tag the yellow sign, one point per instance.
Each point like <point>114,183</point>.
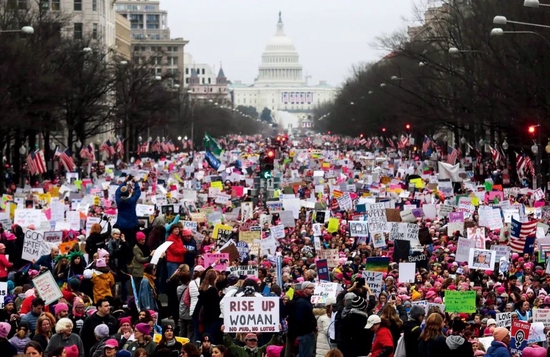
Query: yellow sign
<point>249,236</point>
<point>333,224</point>
<point>217,184</point>
<point>220,229</point>
<point>418,183</point>
<point>97,201</point>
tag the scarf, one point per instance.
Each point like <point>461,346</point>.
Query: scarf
<point>151,280</point>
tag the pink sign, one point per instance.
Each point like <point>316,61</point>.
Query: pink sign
<point>219,261</point>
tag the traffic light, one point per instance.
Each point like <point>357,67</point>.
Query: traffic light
<point>266,164</point>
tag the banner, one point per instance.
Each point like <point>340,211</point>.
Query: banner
<point>251,314</point>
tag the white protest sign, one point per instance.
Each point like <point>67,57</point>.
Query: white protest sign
<point>332,257</point>
<point>463,249</point>
<point>542,315</point>
<point>246,270</point>
<point>158,252</point>
<point>53,237</point>
<point>323,291</point>
<point>27,217</point>
<point>222,198</point>
<point>501,251</point>
<point>407,272</point>
<point>278,232</point>
<point>46,287</point>
<point>376,217</point>
<point>145,210</point>
<point>34,246</point>
<point>73,218</point>
<point>90,221</point>
<point>374,280</point>
<point>3,293</point>
<point>192,225</point>
<point>503,319</point>
<point>251,314</point>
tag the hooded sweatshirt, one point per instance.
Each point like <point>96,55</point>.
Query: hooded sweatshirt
<point>459,347</point>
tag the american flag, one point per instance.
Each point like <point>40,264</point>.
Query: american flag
<point>404,140</point>
<point>377,142</point>
<point>452,155</point>
<point>143,148</point>
<point>171,146</point>
<point>524,165</point>
<point>65,157</point>
<point>107,147</point>
<point>164,146</point>
<point>426,144</point>
<point>368,144</point>
<point>476,151</point>
<point>495,155</point>
<point>36,163</point>
<point>519,232</point>
<point>391,143</point>
<point>88,152</point>
<point>119,146</point>
<point>155,146</point>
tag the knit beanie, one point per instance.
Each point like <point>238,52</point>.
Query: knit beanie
<point>71,351</point>
<point>5,329</point>
<point>101,331</point>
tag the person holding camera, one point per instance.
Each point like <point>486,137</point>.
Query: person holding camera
<point>126,197</point>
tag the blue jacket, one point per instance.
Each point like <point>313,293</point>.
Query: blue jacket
<point>46,261</point>
<point>498,349</point>
<point>169,225</point>
<point>127,217</point>
<point>146,296</point>
<point>191,253</point>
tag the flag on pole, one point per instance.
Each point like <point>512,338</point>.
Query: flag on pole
<point>495,155</point>
<point>107,147</point>
<point>519,233</point>
<point>65,157</point>
<point>404,141</point>
<point>210,144</point>
<point>452,155</point>
<point>31,164</point>
<point>88,152</point>
<point>524,165</point>
<point>171,146</point>
<point>119,146</point>
<point>143,148</point>
<point>426,145</point>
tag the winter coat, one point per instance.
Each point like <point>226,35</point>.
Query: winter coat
<point>354,339</point>
<point>210,300</point>
<point>301,320</point>
<point>194,294</point>
<point>411,334</point>
<point>183,310</point>
<point>322,346</point>
<point>87,332</point>
<point>7,348</point>
<point>176,250</point>
<point>127,218</point>
<point>58,340</point>
<point>434,347</point>
<point>498,349</point>
<point>20,343</point>
<point>120,253</point>
<point>96,241</point>
<point>459,347</point>
<point>238,351</point>
<point>382,346</point>
<point>5,265</point>
<point>150,347</point>
<point>146,296</point>
<point>138,262</point>
<point>103,282</point>
<point>191,252</point>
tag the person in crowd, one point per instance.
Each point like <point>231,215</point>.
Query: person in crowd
<point>71,351</point>
<point>142,255</point>
<point>72,289</point>
<point>352,330</point>
<point>77,265</point>
<point>382,346</point>
<point>64,337</point>
<point>250,349</point>
<point>412,329</point>
<point>120,253</point>
<point>37,310</point>
<point>391,319</point>
<point>524,311</point>
<point>194,290</point>
<point>457,344</point>
<point>21,337</point>
<point>500,344</point>
<point>77,315</point>
<point>110,348</point>
<point>432,342</point>
<point>302,324</point>
<point>126,197</point>
<point>43,331</point>
<point>323,322</point>
<point>61,310</point>
<point>209,298</point>
<point>124,332</point>
<point>184,305</point>
<point>5,264</point>
<point>102,278</point>
<point>147,290</point>
<point>101,316</point>
<point>101,333</point>
<point>190,350</point>
<point>33,349</point>
<point>206,346</point>
<point>190,245</point>
<point>97,240</point>
<point>176,251</point>
<point>168,341</point>
<point>220,351</point>
<point>142,340</point>
<point>47,261</point>
<point>9,314</point>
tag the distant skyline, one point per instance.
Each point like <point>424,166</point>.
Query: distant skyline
<point>330,36</point>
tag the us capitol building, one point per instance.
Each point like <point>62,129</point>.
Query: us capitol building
<point>280,85</point>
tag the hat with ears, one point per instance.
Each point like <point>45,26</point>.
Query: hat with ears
<point>100,263</point>
<point>5,329</point>
<point>102,253</point>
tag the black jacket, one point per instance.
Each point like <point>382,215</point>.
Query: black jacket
<point>301,320</point>
<point>411,333</point>
<point>459,347</point>
<point>91,322</point>
<point>354,339</point>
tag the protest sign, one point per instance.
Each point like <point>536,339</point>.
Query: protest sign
<point>501,251</point>
<point>376,217</point>
<point>460,301</point>
<point>481,259</point>
<point>27,217</point>
<point>378,264</point>
<point>358,229</point>
<point>249,236</point>
<point>542,315</point>
<point>158,252</point>
<point>503,319</point>
<point>192,225</point>
<point>246,270</point>
<point>34,246</point>
<point>222,231</point>
<point>322,269</point>
<point>243,249</point>
<point>332,257</point>
<point>251,314</point>
<point>278,232</point>
<point>46,287</point>
<point>3,293</point>
<point>54,237</point>
<point>217,260</point>
<point>520,336</point>
<point>463,249</point>
<point>323,291</point>
<point>374,280</point>
<point>90,221</point>
<point>145,210</point>
<point>407,272</point>
<point>536,333</point>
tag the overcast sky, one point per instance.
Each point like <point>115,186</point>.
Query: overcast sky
<point>330,35</point>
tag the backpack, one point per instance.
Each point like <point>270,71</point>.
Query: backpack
<point>187,297</point>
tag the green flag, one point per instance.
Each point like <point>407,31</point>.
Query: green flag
<point>488,186</point>
<point>210,144</point>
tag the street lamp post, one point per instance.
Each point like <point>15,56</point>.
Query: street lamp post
<point>28,30</point>
<point>501,32</point>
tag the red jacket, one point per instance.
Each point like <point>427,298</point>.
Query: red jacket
<point>176,250</point>
<point>4,266</point>
<point>382,340</point>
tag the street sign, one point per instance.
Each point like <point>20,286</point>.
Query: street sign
<point>270,183</point>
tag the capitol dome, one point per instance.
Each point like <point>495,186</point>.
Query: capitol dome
<point>280,61</point>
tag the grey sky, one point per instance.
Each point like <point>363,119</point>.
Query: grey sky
<point>330,35</point>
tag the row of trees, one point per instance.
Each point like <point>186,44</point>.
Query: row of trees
<point>453,75</point>
<point>60,90</point>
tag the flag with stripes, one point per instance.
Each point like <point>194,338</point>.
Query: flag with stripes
<point>155,146</point>
<point>452,155</point>
<point>519,233</point>
<point>404,141</point>
<point>36,163</point>
<point>143,148</point>
<point>495,155</point>
<point>171,146</point>
<point>426,145</point>
<point>88,152</point>
<point>107,147</point>
<point>31,164</point>
<point>524,165</point>
<point>65,157</point>
<point>119,146</point>
<point>376,142</point>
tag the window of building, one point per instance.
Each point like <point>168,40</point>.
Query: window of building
<point>94,5</point>
<point>158,71</point>
<point>172,61</point>
<point>77,5</point>
<point>154,36</point>
<point>94,31</point>
<point>203,71</point>
<point>78,30</point>
<point>209,81</point>
<point>187,71</point>
<point>202,80</point>
<point>56,5</point>
<point>210,89</point>
<point>150,7</point>
<point>187,80</point>
<point>45,5</point>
